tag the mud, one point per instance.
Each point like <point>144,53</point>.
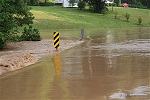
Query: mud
<point>21,54</point>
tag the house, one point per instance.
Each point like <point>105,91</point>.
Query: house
<point>66,3</point>
<point>109,1</point>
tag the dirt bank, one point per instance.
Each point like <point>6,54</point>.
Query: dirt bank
<point>21,54</point>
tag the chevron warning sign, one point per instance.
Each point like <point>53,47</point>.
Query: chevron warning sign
<point>56,40</point>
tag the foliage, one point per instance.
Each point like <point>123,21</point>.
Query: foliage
<point>116,13</point>
<point>96,5</point>
<point>72,2</point>
<point>30,34</point>
<point>13,14</point>
<point>134,3</point>
<point>45,4</point>
<point>118,2</point>
<point>139,21</point>
<point>35,2</point>
<point>81,4</point>
<point>2,40</point>
<point>15,38</point>
<point>127,15</point>
<point>104,11</point>
<point>137,5</point>
<point>56,18</point>
<point>39,2</point>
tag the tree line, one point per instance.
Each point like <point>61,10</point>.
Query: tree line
<point>135,3</point>
<point>35,2</point>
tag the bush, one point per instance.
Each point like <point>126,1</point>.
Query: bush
<point>46,4</point>
<point>127,15</point>
<point>138,5</point>
<point>30,34</point>
<point>3,39</point>
<point>81,4</point>
<point>104,10</point>
<point>139,20</point>
<point>13,14</point>
<point>15,38</point>
<point>116,13</point>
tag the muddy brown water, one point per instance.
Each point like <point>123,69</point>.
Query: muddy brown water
<point>113,65</point>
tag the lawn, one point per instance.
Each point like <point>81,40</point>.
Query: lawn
<point>54,18</point>
<point>57,17</point>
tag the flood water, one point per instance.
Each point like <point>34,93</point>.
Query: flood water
<point>109,65</point>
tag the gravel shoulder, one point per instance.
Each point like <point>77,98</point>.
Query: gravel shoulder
<point>21,54</point>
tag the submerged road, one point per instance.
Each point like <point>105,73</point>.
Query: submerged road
<point>110,66</point>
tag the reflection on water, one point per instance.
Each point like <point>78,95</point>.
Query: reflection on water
<point>57,63</point>
<point>113,65</point>
<point>140,92</point>
<point>31,83</point>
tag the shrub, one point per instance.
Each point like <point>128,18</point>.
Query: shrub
<point>72,2</point>
<point>104,11</point>
<point>3,39</point>
<point>139,20</point>
<point>97,6</point>
<point>30,34</point>
<point>127,15</point>
<point>116,13</point>
<point>46,4</point>
<point>15,38</point>
<point>81,4</point>
<point>13,14</point>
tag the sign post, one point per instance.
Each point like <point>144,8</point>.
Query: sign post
<point>56,40</point>
<point>82,34</point>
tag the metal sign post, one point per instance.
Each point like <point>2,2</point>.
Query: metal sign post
<point>82,34</point>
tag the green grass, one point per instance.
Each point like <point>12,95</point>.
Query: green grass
<point>56,17</point>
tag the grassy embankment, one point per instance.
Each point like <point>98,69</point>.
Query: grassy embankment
<point>52,18</point>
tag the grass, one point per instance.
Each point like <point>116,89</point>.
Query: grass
<point>56,17</point>
<point>52,18</point>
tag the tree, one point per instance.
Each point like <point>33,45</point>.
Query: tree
<point>45,1</point>
<point>118,2</point>
<point>145,3</point>
<point>72,2</point>
<point>96,5</point>
<point>13,14</point>
<point>81,4</point>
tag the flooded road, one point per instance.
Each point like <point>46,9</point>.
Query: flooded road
<point>109,65</point>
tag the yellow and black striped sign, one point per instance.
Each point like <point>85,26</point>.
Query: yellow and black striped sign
<point>56,40</point>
